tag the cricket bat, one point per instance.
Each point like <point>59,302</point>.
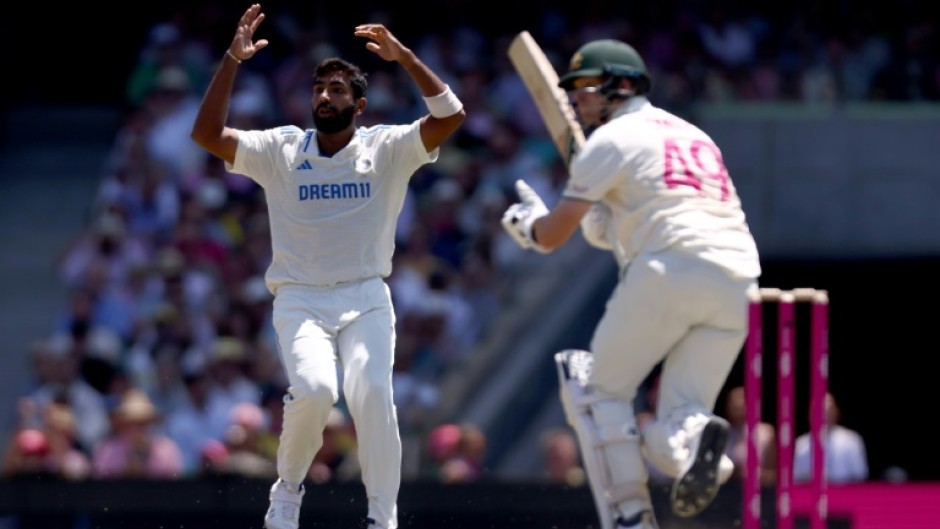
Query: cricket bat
<point>541,80</point>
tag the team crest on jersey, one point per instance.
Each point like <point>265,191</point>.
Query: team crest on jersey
<point>363,166</point>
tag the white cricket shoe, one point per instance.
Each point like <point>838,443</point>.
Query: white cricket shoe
<point>725,469</point>
<point>698,482</point>
<point>642,520</point>
<point>284,512</point>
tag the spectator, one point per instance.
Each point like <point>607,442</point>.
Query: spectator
<point>165,47</point>
<point>228,363</point>
<point>846,458</point>
<point>66,457</point>
<point>62,383</point>
<point>45,445</point>
<point>442,445</point>
<point>27,454</point>
<point>243,444</point>
<point>561,458</point>
<point>337,459</point>
<point>471,456</point>
<point>197,421</point>
<point>135,449</point>
<point>106,243</point>
<point>173,102</point>
<point>737,440</point>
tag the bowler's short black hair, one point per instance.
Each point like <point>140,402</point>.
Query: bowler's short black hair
<point>334,64</point>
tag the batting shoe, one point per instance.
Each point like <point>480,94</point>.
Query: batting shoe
<point>284,512</point>
<point>698,483</point>
<point>725,469</point>
<point>642,520</point>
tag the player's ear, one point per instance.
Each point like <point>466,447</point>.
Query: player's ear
<point>361,105</point>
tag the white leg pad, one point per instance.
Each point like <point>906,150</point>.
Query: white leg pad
<point>608,439</point>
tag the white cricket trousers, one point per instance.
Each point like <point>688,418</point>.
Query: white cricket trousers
<point>679,308</point>
<point>353,323</point>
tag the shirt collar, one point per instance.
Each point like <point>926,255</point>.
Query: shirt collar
<point>350,150</point>
<point>631,105</point>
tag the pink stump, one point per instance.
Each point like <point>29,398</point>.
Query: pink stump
<point>753,383</point>
<point>819,386</point>
<point>785,409</point>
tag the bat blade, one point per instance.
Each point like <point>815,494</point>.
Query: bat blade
<point>541,80</point>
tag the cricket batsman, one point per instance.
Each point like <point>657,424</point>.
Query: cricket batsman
<point>652,189</point>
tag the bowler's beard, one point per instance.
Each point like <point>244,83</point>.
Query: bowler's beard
<point>335,123</point>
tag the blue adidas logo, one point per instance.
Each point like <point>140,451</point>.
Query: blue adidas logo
<point>305,166</point>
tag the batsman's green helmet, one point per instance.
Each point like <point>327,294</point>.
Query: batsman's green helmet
<point>607,57</point>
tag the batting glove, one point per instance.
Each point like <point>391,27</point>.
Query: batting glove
<point>519,217</point>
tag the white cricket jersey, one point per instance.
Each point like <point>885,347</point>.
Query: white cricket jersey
<point>332,218</point>
<point>666,186</point>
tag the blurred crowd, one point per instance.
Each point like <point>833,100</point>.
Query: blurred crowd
<point>162,363</point>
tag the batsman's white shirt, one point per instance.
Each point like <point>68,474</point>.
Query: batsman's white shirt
<point>676,220</point>
<point>666,185</point>
<point>332,219</point>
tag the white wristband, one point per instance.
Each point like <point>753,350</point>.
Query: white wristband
<point>444,104</point>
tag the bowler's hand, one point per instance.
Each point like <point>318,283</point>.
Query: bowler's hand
<point>381,41</point>
<point>242,46</point>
